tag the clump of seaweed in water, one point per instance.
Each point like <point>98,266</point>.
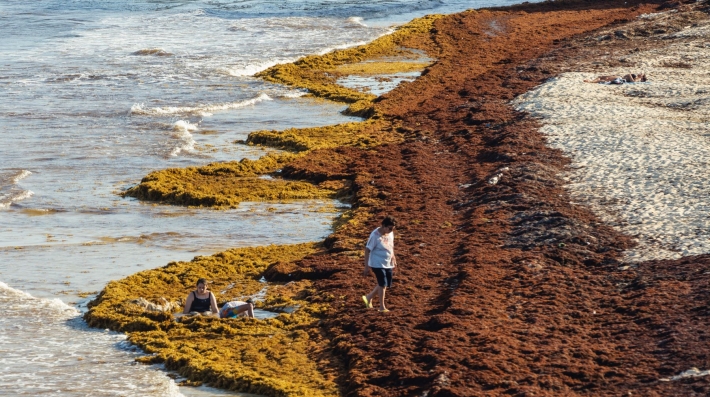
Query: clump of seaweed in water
<point>228,184</point>
<point>270,356</point>
<point>319,73</point>
<point>360,134</point>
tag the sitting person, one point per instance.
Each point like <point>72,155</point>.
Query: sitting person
<point>201,301</point>
<point>629,78</point>
<point>237,308</point>
<point>634,78</point>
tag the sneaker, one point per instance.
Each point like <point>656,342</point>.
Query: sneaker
<point>368,304</point>
<point>384,310</point>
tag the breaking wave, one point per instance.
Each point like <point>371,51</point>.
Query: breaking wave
<point>252,69</point>
<point>182,131</point>
<point>7,199</point>
<point>32,305</point>
<point>204,110</point>
<point>9,192</point>
<point>356,21</point>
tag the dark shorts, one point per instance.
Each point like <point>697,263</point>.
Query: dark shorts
<point>384,276</point>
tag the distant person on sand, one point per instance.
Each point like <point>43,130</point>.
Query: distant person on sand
<point>380,259</point>
<point>629,78</point>
<point>201,301</point>
<point>237,308</point>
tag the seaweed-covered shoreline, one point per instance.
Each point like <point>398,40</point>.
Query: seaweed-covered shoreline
<point>505,286</point>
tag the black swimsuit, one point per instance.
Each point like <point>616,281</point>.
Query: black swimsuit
<point>200,305</point>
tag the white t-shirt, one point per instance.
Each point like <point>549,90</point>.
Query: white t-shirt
<point>381,248</point>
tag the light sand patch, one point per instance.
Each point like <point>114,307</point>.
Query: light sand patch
<point>640,152</point>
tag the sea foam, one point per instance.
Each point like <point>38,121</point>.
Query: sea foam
<point>12,178</point>
<point>204,110</point>
<point>341,47</point>
<point>61,350</point>
<point>352,44</point>
<point>294,94</point>
<point>356,21</point>
<point>21,175</point>
<point>6,200</point>
<point>31,304</point>
<point>252,69</point>
<point>182,130</point>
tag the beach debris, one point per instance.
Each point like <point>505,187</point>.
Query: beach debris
<point>165,307</point>
<point>497,175</point>
<point>442,380</point>
<point>153,51</point>
<point>620,34</point>
<point>691,373</point>
<point>494,179</point>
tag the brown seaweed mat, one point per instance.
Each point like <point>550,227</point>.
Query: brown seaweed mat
<point>504,286</point>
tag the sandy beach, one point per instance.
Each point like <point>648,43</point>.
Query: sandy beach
<point>552,236</point>
<point>639,150</point>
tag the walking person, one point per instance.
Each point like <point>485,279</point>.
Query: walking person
<point>380,259</point>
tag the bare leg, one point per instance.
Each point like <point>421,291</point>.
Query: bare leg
<point>247,309</point>
<point>378,292</point>
<point>601,79</point>
<point>382,297</point>
<point>375,292</point>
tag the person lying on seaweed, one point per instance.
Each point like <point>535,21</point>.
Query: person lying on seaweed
<point>237,308</point>
<point>201,301</point>
<point>629,78</point>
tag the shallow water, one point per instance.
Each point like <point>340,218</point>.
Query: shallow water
<point>379,84</point>
<point>95,95</point>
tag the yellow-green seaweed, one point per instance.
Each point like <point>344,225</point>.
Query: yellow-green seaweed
<point>273,357</point>
<point>318,73</point>
<point>358,134</point>
<point>388,45</point>
<point>228,184</point>
<point>193,189</point>
<point>225,184</point>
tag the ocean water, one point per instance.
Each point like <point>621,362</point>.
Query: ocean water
<point>96,94</point>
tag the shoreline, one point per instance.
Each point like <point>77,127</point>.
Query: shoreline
<point>505,287</point>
